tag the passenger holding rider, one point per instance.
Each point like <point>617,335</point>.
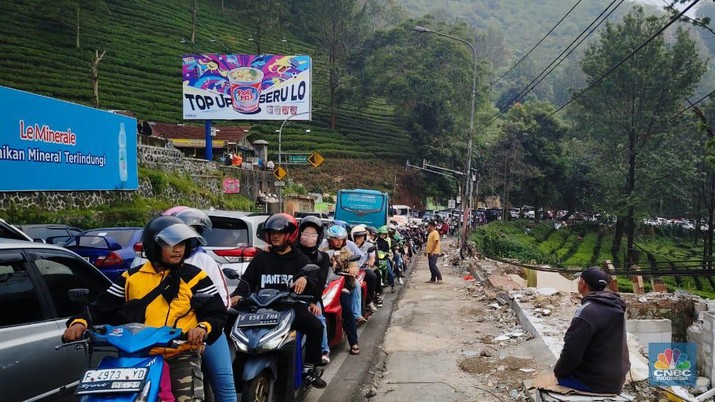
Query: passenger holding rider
<point>280,268</point>
<point>311,235</point>
<point>167,243</point>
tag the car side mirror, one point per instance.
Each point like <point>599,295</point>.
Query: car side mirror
<point>79,296</point>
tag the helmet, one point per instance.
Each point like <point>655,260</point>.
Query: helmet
<point>195,217</point>
<point>359,230</point>
<point>283,223</point>
<point>168,231</point>
<point>173,210</point>
<point>336,232</point>
<point>382,229</point>
<point>372,230</point>
<point>316,223</point>
<point>391,227</point>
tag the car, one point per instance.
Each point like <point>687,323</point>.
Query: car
<point>235,238</point>
<point>41,232</point>
<point>34,282</point>
<point>109,249</point>
<point>514,213</point>
<point>303,214</point>
<point>8,231</point>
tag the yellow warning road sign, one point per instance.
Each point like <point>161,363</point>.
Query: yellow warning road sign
<point>315,159</point>
<point>279,172</point>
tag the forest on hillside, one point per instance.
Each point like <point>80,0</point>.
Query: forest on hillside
<point>620,124</point>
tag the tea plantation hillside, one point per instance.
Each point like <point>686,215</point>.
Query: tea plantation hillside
<point>141,71</point>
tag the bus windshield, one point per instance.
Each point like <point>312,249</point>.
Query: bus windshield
<point>368,207</point>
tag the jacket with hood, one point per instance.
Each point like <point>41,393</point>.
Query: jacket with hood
<point>595,351</point>
<point>271,270</point>
<point>322,260</point>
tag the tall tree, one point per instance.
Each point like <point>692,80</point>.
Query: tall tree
<point>94,64</point>
<point>336,27</point>
<point>194,16</point>
<point>70,13</point>
<point>633,104</point>
<point>261,16</point>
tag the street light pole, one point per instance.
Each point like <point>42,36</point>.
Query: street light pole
<point>467,202</point>
<point>280,155</point>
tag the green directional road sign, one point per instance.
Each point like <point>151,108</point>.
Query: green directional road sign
<point>298,158</point>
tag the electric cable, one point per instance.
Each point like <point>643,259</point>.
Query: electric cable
<point>536,45</point>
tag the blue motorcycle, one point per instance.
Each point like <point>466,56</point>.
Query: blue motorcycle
<point>134,374</point>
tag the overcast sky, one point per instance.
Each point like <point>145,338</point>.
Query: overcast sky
<point>661,3</point>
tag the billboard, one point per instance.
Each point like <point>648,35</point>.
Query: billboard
<point>246,87</point>
<point>53,145</point>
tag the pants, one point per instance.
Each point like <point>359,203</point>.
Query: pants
<point>187,381</point>
<point>324,344</point>
<point>348,319</point>
<point>371,281</point>
<point>217,361</point>
<point>390,274</point>
<point>310,326</point>
<point>378,283</point>
<point>356,302</point>
<point>572,382</point>
<point>435,275</point>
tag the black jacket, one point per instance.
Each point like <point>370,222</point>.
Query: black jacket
<point>595,350</point>
<point>275,271</point>
<point>322,260</point>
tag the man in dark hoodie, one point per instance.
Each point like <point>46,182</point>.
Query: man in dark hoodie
<point>595,354</point>
<point>280,268</point>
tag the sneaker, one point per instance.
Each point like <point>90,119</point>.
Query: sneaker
<point>400,281</point>
<point>360,320</point>
<point>393,290</point>
<point>439,282</point>
<point>372,307</point>
<point>326,358</point>
<point>312,377</point>
<point>430,282</point>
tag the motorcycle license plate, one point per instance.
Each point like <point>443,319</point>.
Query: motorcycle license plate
<point>112,380</point>
<point>257,319</point>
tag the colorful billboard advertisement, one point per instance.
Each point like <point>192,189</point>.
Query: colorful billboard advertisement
<point>53,145</point>
<point>246,87</point>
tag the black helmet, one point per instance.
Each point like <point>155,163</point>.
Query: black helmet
<point>315,222</point>
<point>283,223</point>
<point>168,231</point>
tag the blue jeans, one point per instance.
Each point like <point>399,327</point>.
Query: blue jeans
<point>324,345</point>
<point>348,321</point>
<point>572,382</point>
<point>219,370</point>
<point>356,300</point>
<point>390,274</point>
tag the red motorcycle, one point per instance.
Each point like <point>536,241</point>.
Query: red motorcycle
<point>333,311</point>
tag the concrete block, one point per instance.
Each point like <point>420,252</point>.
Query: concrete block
<point>662,325</point>
<point>556,281</point>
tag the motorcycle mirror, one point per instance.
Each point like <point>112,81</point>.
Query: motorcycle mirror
<point>230,273</point>
<point>354,258</point>
<point>79,296</point>
<point>310,268</point>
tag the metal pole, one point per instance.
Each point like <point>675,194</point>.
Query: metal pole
<point>280,156</point>
<point>466,203</point>
<point>209,140</point>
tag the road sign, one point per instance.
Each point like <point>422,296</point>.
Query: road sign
<point>279,172</point>
<point>451,204</point>
<point>279,183</point>
<point>315,159</point>
<point>298,158</point>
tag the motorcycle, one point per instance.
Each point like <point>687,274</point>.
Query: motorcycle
<point>383,266</point>
<point>134,374</point>
<point>267,354</point>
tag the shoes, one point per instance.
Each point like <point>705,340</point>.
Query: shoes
<point>439,282</point>
<point>312,377</point>
<point>372,307</point>
<point>430,282</point>
<point>400,281</point>
<point>378,301</point>
<point>393,290</point>
<point>326,358</point>
<point>360,320</point>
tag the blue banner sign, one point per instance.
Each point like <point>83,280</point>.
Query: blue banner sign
<point>53,145</point>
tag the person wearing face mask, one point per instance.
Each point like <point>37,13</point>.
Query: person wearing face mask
<point>167,243</point>
<point>280,268</point>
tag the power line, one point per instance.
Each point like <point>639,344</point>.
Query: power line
<point>558,59</point>
<point>536,45</point>
<point>607,73</point>
<point>692,104</point>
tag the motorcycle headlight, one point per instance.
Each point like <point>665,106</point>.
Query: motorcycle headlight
<point>239,339</point>
<point>273,339</point>
<point>328,297</point>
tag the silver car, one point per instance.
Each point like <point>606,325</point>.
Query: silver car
<point>34,282</point>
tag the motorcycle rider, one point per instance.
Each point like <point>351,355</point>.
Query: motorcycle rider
<point>167,242</point>
<point>311,235</point>
<point>396,244</point>
<point>355,250</point>
<point>359,236</point>
<point>384,244</point>
<point>342,261</point>
<point>280,268</point>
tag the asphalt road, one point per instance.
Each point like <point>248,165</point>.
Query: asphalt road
<point>346,373</point>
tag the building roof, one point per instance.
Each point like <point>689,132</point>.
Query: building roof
<point>190,136</point>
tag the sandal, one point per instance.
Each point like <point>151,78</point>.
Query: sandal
<point>355,350</point>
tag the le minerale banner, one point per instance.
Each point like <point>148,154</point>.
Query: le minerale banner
<point>53,145</point>
<point>246,87</point>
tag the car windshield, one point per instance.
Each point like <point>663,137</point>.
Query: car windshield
<point>227,233</point>
<point>123,237</point>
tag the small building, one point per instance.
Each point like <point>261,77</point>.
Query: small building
<point>191,140</point>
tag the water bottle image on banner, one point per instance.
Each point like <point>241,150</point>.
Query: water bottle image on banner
<point>122,154</point>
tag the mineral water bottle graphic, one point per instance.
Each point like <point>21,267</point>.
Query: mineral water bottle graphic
<point>122,154</point>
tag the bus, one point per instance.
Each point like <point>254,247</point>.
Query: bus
<point>358,206</point>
